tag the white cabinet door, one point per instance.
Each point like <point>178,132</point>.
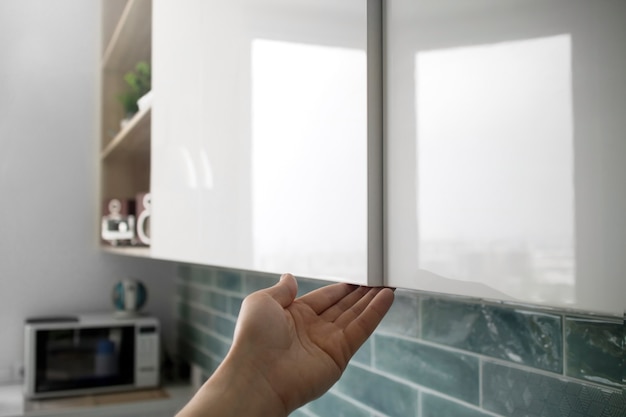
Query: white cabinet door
<point>506,141</point>
<point>263,154</point>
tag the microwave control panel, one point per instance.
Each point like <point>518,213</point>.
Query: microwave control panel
<point>147,363</point>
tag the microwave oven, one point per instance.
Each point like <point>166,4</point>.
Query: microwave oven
<point>90,354</point>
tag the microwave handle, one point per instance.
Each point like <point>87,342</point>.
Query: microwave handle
<point>52,319</point>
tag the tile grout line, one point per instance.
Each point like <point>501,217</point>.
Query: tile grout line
<point>564,347</point>
<point>420,311</point>
<point>214,288</point>
<point>354,402</point>
<point>480,382</point>
<point>420,407</point>
<point>206,309</point>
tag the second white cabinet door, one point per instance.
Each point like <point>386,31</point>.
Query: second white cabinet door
<point>505,150</point>
<point>261,138</point>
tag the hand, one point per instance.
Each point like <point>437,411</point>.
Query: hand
<point>303,346</point>
<point>287,351</point>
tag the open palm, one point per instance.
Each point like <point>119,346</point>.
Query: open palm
<point>301,346</point>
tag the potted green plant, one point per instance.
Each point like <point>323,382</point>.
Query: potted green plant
<point>138,84</point>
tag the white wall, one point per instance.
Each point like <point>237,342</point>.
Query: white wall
<point>49,261</point>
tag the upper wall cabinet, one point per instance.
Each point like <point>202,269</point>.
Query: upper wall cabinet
<point>266,146</point>
<point>505,145</point>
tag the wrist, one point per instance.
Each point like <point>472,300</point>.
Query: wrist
<point>237,388</point>
<point>248,384</point>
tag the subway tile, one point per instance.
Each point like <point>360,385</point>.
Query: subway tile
<point>183,310</point>
<point>305,286</point>
<point>228,279</point>
<point>201,317</point>
<point>216,301</point>
<point>300,413</point>
<point>183,291</point>
<point>258,281</point>
<point>364,354</point>
<point>190,334</point>
<point>216,346</point>
<point>332,405</point>
<point>435,406</point>
<point>207,276</point>
<point>184,272</point>
<point>199,275</point>
<point>197,295</point>
<point>452,373</point>
<point>181,330</point>
<point>201,339</point>
<point>190,294</point>
<point>235,306</point>
<point>197,357</point>
<point>390,397</point>
<point>515,392</point>
<point>403,316</point>
<point>222,326</point>
<point>523,337</point>
<point>595,350</point>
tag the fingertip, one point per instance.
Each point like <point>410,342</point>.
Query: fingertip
<point>286,275</point>
<point>389,289</point>
<point>388,292</point>
<point>285,290</point>
<point>289,279</point>
<point>385,298</point>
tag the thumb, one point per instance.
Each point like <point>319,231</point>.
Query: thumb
<point>285,290</point>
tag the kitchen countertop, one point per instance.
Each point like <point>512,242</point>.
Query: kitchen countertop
<point>158,402</point>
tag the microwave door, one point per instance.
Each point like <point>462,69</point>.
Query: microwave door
<point>84,358</point>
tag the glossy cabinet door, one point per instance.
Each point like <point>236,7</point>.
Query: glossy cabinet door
<point>506,145</point>
<point>263,154</point>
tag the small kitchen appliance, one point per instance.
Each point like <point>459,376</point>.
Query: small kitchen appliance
<point>89,354</point>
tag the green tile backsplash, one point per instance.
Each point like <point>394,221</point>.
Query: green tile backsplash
<point>434,356</point>
<point>388,396</point>
<point>595,350</point>
<point>334,405</point>
<point>436,406</point>
<point>454,373</point>
<point>403,317</point>
<point>505,333</point>
<point>515,392</point>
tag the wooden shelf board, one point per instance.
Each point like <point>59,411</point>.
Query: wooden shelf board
<point>111,12</point>
<point>136,251</point>
<point>130,41</point>
<point>133,139</point>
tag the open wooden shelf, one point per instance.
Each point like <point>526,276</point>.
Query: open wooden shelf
<point>132,32</point>
<point>133,139</point>
<point>136,251</point>
<point>124,158</point>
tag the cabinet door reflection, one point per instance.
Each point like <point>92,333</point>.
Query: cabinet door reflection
<point>495,166</point>
<point>309,155</point>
